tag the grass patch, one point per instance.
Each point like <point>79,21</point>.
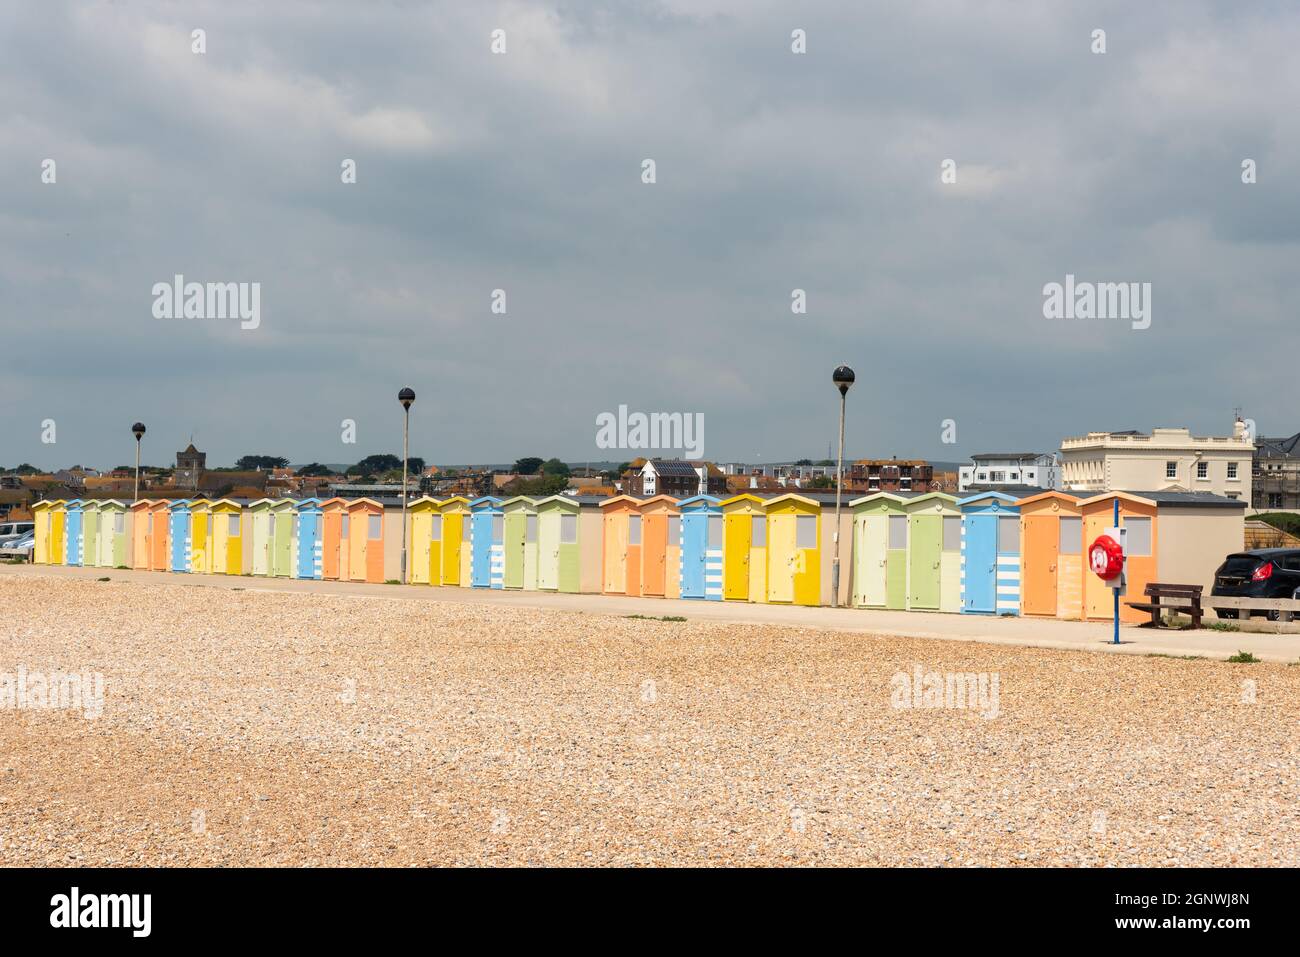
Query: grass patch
<point>104,579</point>
<point>655,618</point>
<point>1223,626</point>
<point>1243,658</point>
<point>123,568</point>
<point>1157,654</point>
<point>392,581</point>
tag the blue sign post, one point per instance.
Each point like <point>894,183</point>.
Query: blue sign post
<point>1118,583</point>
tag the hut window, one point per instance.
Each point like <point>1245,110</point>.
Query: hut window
<point>374,527</point>
<point>435,528</point>
<point>232,525</point>
<point>498,527</point>
<point>951,533</point>
<point>758,532</point>
<point>530,528</point>
<point>346,522</point>
<point>568,529</point>
<point>149,525</point>
<point>119,522</point>
<point>1139,535</point>
<point>1071,532</point>
<point>293,527</point>
<point>466,530</point>
<point>634,529</point>
<point>715,531</point>
<point>805,531</point>
<point>898,531</point>
<point>674,530</point>
<point>1009,534</point>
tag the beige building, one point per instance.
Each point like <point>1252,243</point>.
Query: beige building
<point>1165,460</point>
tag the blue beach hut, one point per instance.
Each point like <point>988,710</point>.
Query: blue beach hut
<point>487,543</point>
<point>701,547</point>
<point>178,524</point>
<point>308,544</point>
<point>990,554</point>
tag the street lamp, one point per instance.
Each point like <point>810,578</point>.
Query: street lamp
<point>843,377</point>
<point>138,431</point>
<point>406,397</point>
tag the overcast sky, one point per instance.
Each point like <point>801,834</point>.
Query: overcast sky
<point>523,172</point>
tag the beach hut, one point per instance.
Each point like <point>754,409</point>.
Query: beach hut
<point>1139,516</point>
<point>90,533</point>
<point>933,553</point>
<point>487,542</point>
<point>365,540</point>
<point>990,554</point>
<point>41,527</point>
<point>141,532</point>
<point>159,535</point>
<point>1052,563</point>
<point>58,525</point>
<point>178,522</point>
<point>701,534</point>
<point>334,539</point>
<point>111,537</point>
<point>744,548</point>
<point>558,544</point>
<point>308,543</point>
<point>520,542</point>
<point>200,510</point>
<point>660,551</point>
<point>72,532</point>
<point>622,550</point>
<point>455,541</point>
<point>794,550</point>
<point>425,538</point>
<point>226,537</point>
<point>879,553</point>
<point>272,536</point>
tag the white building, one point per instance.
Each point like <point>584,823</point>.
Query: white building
<point>988,470</point>
<point>1165,460</point>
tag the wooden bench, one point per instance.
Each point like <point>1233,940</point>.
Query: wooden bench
<point>1184,593</point>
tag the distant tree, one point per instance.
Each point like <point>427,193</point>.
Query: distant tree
<point>555,467</point>
<point>541,485</point>
<point>804,462</point>
<point>314,469</point>
<point>373,464</point>
<point>623,467</point>
<point>415,464</point>
<point>826,462</point>
<point>26,469</point>
<point>249,463</point>
<point>527,466</point>
<point>822,481</point>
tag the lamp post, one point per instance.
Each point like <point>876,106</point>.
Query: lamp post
<point>843,377</point>
<point>406,397</point>
<point>138,431</point>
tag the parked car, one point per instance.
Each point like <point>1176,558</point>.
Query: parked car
<point>1261,573</point>
<point>20,547</point>
<point>12,530</point>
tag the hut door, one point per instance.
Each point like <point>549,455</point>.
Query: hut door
<point>874,531</point>
<point>694,544</point>
<point>923,561</point>
<point>981,559</point>
<point>654,552</point>
<point>1041,555</point>
<point>616,552</point>
<point>735,556</point>
<point>782,556</point>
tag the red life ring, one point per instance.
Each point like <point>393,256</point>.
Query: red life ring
<point>1106,558</point>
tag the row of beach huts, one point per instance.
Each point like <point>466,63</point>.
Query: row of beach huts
<point>989,553</point>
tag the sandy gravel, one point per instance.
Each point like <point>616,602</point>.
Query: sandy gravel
<point>284,729</point>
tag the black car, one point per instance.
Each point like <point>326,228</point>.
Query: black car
<point>1262,573</point>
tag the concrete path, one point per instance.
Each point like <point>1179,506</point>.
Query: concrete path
<point>1039,632</point>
